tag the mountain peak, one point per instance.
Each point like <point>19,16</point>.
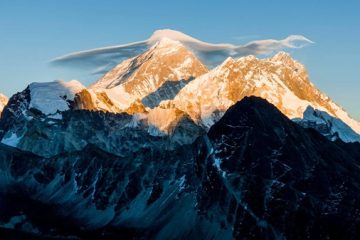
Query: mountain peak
<point>167,46</point>
<point>284,58</point>
<point>51,97</point>
<point>245,111</point>
<point>167,59</point>
<point>158,73</point>
<point>165,41</point>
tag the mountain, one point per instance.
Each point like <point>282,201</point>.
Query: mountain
<point>166,67</point>
<point>254,175</point>
<point>170,77</point>
<point>285,182</point>
<point>281,80</point>
<point>162,148</point>
<point>329,126</point>
<point>51,98</point>
<point>39,101</point>
<point>3,102</point>
<point>114,133</point>
<point>170,82</point>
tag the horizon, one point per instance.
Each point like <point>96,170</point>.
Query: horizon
<point>30,39</point>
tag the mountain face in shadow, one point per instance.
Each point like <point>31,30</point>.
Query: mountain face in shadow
<point>331,127</point>
<point>167,91</point>
<point>254,175</point>
<point>285,181</point>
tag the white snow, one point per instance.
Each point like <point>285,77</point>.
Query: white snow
<point>346,133</point>
<point>51,97</point>
<point>180,70</point>
<point>344,116</point>
<point>210,92</point>
<point>120,97</point>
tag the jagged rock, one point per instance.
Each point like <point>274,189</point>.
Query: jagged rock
<point>254,175</point>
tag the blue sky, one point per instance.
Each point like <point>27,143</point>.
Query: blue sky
<point>33,32</point>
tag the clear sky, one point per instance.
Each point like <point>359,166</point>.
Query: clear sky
<point>33,32</point>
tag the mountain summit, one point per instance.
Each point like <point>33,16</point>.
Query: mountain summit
<point>166,60</point>
<point>281,80</point>
<point>170,76</point>
<point>167,66</point>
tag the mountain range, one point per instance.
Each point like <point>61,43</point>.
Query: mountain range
<point>164,147</point>
<point>168,80</point>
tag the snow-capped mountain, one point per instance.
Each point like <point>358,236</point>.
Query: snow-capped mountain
<point>167,66</point>
<point>280,80</point>
<point>169,82</point>
<point>166,60</point>
<point>51,98</point>
<point>164,75</point>
<point>170,76</point>
<point>45,102</point>
<point>41,100</point>
<point>3,101</point>
<point>254,175</point>
<point>45,111</point>
<point>162,148</point>
<point>329,126</point>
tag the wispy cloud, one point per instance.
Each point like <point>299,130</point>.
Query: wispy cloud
<point>101,59</point>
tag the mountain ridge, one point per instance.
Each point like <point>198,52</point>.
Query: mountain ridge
<point>284,84</point>
<point>254,175</point>
<point>169,76</point>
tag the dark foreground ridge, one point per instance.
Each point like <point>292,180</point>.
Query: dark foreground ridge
<point>255,175</point>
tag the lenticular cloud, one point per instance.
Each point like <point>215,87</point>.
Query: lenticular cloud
<point>102,59</point>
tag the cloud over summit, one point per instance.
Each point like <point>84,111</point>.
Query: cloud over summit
<point>102,59</point>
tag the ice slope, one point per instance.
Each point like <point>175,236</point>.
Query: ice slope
<point>328,125</point>
<point>53,97</point>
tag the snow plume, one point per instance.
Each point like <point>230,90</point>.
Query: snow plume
<point>102,59</point>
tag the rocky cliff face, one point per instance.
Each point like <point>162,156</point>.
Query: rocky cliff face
<point>280,80</point>
<point>155,75</point>
<point>114,133</point>
<point>285,181</point>
<point>254,175</point>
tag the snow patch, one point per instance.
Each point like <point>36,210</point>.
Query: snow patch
<point>52,97</point>
<point>336,125</point>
